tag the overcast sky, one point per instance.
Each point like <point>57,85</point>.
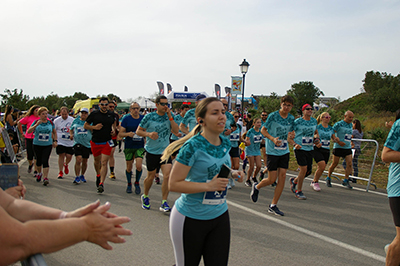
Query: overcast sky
<point>124,47</point>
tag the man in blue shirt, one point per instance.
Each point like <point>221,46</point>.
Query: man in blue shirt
<point>134,145</point>
<point>157,127</point>
<point>342,149</point>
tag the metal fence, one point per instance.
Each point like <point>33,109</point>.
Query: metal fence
<point>365,160</point>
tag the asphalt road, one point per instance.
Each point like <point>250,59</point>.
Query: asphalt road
<point>336,226</point>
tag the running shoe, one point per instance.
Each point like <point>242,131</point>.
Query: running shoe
<point>274,184</point>
<point>38,177</point>
<point>315,186</point>
<point>165,207</point>
<point>261,176</point>
<point>97,181</point>
<point>275,210</point>
<point>254,179</point>
<point>100,189</point>
<point>145,202</point>
<point>30,168</point>
<point>292,185</point>
<point>77,180</point>
<point>300,195</point>
<point>328,182</point>
<point>129,189</point>
<point>45,181</point>
<point>112,175</point>
<point>82,177</point>
<point>137,188</point>
<point>157,180</point>
<point>254,192</point>
<point>248,183</point>
<point>66,170</point>
<point>60,175</point>
<point>346,184</point>
<point>35,173</point>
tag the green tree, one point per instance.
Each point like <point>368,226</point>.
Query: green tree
<point>15,98</point>
<point>304,92</point>
<point>269,104</point>
<point>80,96</point>
<point>382,90</point>
<point>112,96</point>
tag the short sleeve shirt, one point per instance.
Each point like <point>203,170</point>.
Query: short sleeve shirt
<point>62,128</point>
<point>178,119</point>
<point>255,140</point>
<point>229,121</point>
<point>43,134</point>
<point>278,126</point>
<point>325,135</point>
<point>107,119</point>
<point>393,142</point>
<point>343,132</point>
<point>304,130</point>
<point>189,119</point>
<point>153,122</point>
<point>28,120</point>
<point>131,124</point>
<point>81,135</point>
<point>205,161</point>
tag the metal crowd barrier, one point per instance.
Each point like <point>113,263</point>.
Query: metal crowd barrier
<point>35,260</point>
<point>366,162</point>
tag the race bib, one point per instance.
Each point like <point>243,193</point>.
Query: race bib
<point>43,137</point>
<point>283,146</point>
<point>258,138</point>
<point>235,137</point>
<point>325,143</point>
<point>136,138</point>
<point>214,197</point>
<point>81,130</point>
<point>111,143</point>
<point>307,141</point>
<point>347,137</point>
<point>64,136</point>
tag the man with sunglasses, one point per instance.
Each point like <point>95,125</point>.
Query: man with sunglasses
<point>342,148</point>
<point>134,146</point>
<point>157,127</point>
<point>103,125</point>
<point>305,129</point>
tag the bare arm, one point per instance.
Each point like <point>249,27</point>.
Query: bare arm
<point>390,156</point>
<point>49,234</point>
<point>122,133</point>
<point>178,183</point>
<point>183,128</point>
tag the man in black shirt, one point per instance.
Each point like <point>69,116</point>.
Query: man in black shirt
<point>103,125</point>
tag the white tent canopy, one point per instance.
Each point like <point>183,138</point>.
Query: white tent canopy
<point>184,96</point>
<point>146,103</point>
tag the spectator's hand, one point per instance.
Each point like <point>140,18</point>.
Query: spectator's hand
<point>101,230</point>
<point>18,191</point>
<point>83,210</point>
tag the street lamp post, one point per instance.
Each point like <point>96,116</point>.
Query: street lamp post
<point>244,67</point>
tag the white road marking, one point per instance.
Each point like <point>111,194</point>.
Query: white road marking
<point>310,233</point>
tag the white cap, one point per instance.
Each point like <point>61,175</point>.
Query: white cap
<point>85,110</point>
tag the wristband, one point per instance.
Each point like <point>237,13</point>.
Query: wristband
<point>171,119</point>
<point>63,215</point>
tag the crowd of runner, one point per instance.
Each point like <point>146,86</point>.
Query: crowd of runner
<point>190,147</point>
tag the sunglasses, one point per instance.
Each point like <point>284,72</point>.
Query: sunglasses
<point>104,104</point>
<point>163,104</point>
<point>263,115</point>
<point>111,106</point>
<point>135,108</point>
<point>308,109</point>
<point>327,117</point>
<point>224,104</point>
<point>236,116</point>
